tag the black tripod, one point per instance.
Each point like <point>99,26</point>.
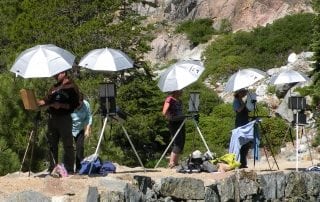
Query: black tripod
<point>32,140</point>
<point>194,119</point>
<point>258,127</point>
<point>110,117</point>
<point>289,131</point>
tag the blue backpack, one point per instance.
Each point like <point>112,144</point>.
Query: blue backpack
<point>107,167</point>
<point>86,164</point>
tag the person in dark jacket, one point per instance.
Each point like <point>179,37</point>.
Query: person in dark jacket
<point>242,118</point>
<point>61,100</point>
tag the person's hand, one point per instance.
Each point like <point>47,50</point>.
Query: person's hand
<point>41,102</point>
<point>87,132</point>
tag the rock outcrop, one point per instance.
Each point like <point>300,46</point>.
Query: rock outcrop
<point>243,14</point>
<point>241,186</point>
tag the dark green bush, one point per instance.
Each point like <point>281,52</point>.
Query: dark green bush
<point>9,160</point>
<point>272,132</point>
<point>198,31</point>
<point>263,48</point>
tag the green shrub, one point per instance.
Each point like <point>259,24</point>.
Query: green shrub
<point>272,133</point>
<point>272,89</point>
<point>225,27</point>
<point>9,160</point>
<point>264,47</point>
<point>198,31</point>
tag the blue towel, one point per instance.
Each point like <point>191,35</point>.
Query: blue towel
<point>242,135</point>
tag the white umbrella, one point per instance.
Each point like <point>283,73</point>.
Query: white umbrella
<point>106,59</point>
<point>42,61</point>
<point>243,78</point>
<point>180,75</point>
<point>285,77</point>
<point>288,76</point>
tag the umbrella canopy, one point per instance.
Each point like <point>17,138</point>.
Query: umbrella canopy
<point>180,75</point>
<point>42,61</point>
<point>288,76</point>
<point>106,59</point>
<point>243,78</point>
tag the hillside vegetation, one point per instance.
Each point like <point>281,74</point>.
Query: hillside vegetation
<point>82,26</point>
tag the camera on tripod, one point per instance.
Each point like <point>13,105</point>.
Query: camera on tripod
<point>107,98</point>
<point>251,101</point>
<point>108,106</point>
<point>298,103</point>
<point>194,102</point>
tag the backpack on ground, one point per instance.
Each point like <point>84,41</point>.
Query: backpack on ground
<point>107,167</point>
<point>90,161</point>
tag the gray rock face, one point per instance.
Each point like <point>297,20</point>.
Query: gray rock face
<point>176,188</point>
<point>241,186</point>
<point>28,196</point>
<point>242,14</point>
<point>272,185</point>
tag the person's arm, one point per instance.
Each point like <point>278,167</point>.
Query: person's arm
<point>165,108</point>
<point>87,129</point>
<point>44,101</point>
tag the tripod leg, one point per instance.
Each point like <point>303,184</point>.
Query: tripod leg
<point>272,153</point>
<point>270,148</point>
<point>267,157</point>
<point>25,153</point>
<point>99,142</point>
<point>101,135</point>
<point>202,138</point>
<point>291,137</point>
<point>134,149</point>
<point>174,137</point>
<point>32,149</point>
<point>290,134</point>
<point>302,133</point>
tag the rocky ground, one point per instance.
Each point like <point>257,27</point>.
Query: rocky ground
<point>75,186</point>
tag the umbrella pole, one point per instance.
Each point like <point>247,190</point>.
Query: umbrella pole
<point>297,142</point>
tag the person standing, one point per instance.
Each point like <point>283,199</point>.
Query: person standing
<point>173,111</point>
<point>242,118</point>
<point>81,128</point>
<point>61,99</point>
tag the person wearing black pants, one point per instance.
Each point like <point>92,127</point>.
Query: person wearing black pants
<point>79,142</point>
<point>61,100</point>
<point>81,128</point>
<point>173,111</point>
<point>242,118</point>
